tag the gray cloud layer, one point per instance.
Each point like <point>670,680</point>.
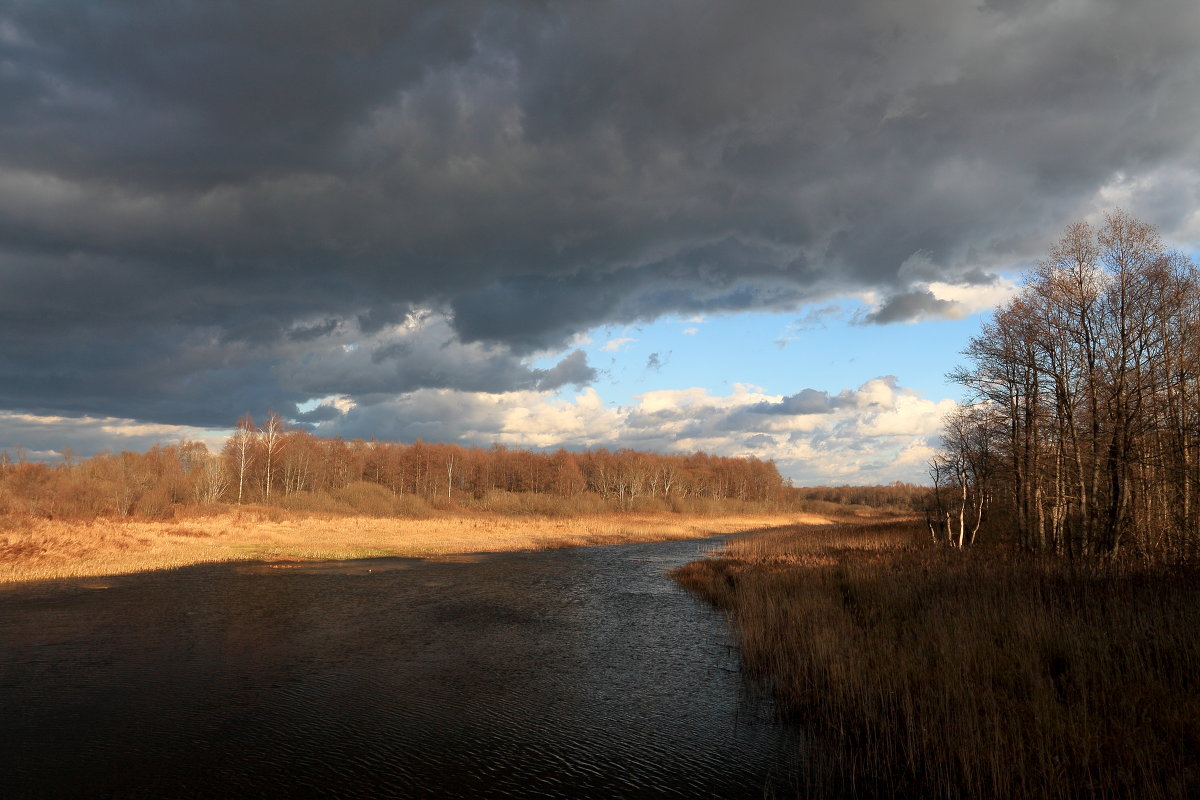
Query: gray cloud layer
<point>204,205</point>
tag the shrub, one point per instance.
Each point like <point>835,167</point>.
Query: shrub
<point>155,504</point>
<point>590,503</point>
<point>410,505</point>
<point>369,499</point>
<point>499,501</point>
<point>647,504</point>
<point>313,503</point>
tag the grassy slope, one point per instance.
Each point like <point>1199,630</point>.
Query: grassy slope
<point>924,672</point>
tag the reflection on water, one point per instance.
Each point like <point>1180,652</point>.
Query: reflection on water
<point>565,673</point>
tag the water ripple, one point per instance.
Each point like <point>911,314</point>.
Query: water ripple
<point>569,673</point>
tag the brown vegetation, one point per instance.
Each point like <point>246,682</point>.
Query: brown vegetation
<point>1057,658</point>
<point>274,465</point>
<point>278,493</point>
<point>896,498</point>
<point>38,549</point>
<point>926,672</point>
<point>1083,437</point>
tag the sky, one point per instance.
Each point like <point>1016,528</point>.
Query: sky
<point>750,228</point>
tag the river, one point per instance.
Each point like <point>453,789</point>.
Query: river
<point>581,672</point>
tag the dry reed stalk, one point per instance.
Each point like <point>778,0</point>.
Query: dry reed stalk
<point>926,672</point>
<point>37,549</point>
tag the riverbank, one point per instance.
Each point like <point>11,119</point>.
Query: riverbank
<point>40,549</point>
<point>926,672</point>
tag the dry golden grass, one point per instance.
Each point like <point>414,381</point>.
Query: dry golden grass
<point>924,672</point>
<point>35,549</point>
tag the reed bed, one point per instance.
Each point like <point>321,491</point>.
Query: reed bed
<point>40,549</point>
<point>922,672</point>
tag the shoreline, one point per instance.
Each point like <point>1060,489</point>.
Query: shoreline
<point>40,550</point>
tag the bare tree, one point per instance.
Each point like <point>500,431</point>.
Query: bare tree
<point>1095,367</point>
<point>272,437</point>
<point>212,480</point>
<point>240,450</point>
<point>451,461</point>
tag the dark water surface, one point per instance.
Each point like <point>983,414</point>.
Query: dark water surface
<point>566,673</point>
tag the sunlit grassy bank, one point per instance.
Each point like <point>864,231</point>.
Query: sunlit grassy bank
<point>928,673</point>
<point>35,549</point>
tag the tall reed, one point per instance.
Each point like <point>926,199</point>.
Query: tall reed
<point>928,673</point>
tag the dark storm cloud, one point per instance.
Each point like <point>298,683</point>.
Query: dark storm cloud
<point>306,333</point>
<point>572,370</point>
<point>536,312</point>
<point>208,208</point>
<point>322,413</point>
<point>910,306</point>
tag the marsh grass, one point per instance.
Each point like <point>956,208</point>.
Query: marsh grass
<point>39,549</point>
<point>922,672</point>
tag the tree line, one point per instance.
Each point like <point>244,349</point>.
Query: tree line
<point>897,496</point>
<point>1081,432</point>
<point>267,460</point>
<point>268,463</point>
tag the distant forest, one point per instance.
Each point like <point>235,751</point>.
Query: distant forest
<point>269,464</point>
